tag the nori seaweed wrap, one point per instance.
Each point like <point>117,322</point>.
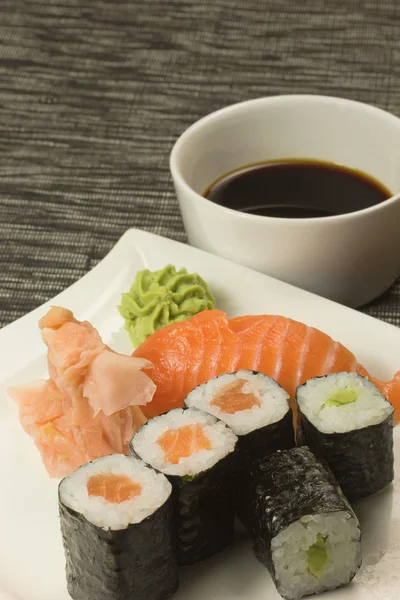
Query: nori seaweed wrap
<point>254,406</point>
<point>302,526</point>
<point>196,453</point>
<point>116,519</point>
<point>346,421</point>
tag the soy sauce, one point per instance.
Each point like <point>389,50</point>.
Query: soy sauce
<point>297,189</point>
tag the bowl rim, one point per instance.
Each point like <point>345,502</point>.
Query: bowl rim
<point>276,99</point>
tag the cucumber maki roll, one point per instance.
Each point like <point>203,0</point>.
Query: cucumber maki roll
<point>302,526</point>
<point>116,519</point>
<point>345,420</point>
<point>254,406</point>
<point>196,453</point>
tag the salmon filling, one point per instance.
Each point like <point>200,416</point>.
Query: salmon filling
<point>113,488</point>
<point>231,398</point>
<point>183,442</point>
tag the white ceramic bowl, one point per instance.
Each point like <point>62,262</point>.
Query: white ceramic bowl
<point>351,258</point>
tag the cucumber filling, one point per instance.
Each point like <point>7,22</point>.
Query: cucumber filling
<point>317,556</point>
<point>342,397</point>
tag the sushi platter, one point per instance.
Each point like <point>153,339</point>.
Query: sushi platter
<point>237,441</point>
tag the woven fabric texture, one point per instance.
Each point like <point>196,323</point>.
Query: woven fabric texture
<point>94,93</point>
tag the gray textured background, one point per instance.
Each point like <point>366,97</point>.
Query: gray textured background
<point>93,95</point>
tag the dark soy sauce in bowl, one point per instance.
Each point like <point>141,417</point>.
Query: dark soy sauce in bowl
<point>296,189</point>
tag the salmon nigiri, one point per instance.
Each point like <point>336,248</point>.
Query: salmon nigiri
<point>89,407</point>
<point>184,355</point>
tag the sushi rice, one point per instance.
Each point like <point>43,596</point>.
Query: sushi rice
<point>366,407</point>
<point>145,445</point>
<point>290,554</point>
<point>273,400</point>
<point>156,489</point>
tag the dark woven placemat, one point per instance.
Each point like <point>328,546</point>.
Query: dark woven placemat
<point>94,93</point>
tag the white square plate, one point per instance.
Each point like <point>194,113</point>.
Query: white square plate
<point>31,554</point>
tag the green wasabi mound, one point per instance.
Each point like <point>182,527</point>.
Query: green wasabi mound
<point>317,556</point>
<point>159,298</point>
<point>342,397</point>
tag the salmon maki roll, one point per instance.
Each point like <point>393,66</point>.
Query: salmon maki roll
<point>117,527</point>
<point>254,406</point>
<point>196,452</point>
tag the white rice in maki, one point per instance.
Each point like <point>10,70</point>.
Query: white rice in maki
<point>342,402</point>
<point>85,491</point>
<point>254,405</point>
<point>245,400</point>
<point>164,443</point>
<point>316,553</point>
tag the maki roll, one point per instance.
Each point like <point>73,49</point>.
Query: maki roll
<point>345,420</point>
<point>302,526</point>
<point>254,406</point>
<point>117,526</point>
<point>196,452</point>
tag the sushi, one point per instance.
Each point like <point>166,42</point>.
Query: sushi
<point>345,420</point>
<point>116,519</point>
<point>254,406</point>
<point>89,407</point>
<point>302,527</point>
<point>196,452</point>
<point>185,355</point>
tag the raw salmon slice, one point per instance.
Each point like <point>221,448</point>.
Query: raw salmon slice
<point>292,352</point>
<point>186,354</point>
<point>231,398</point>
<point>183,442</point>
<point>113,488</point>
<point>289,351</point>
